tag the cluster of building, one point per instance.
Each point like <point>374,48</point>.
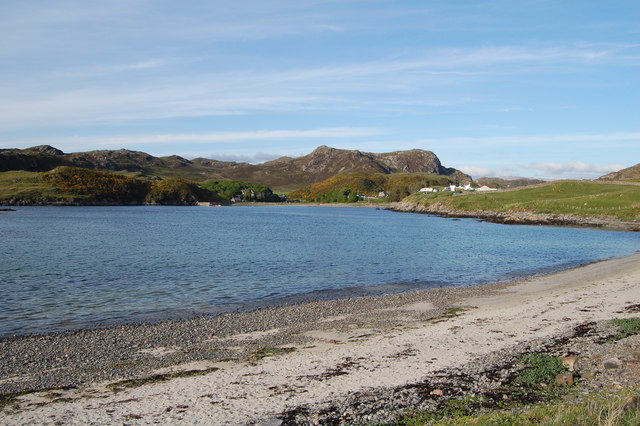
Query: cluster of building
<point>457,188</point>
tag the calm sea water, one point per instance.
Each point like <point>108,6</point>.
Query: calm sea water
<point>77,267</point>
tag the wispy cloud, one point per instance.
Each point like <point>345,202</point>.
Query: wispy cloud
<point>258,135</point>
<point>369,85</point>
<point>202,139</point>
<point>515,140</point>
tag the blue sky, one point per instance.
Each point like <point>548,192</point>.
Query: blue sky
<point>531,88</point>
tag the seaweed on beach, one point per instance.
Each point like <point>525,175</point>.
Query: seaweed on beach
<point>134,383</point>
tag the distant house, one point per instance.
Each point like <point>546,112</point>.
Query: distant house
<point>427,190</point>
<point>236,199</point>
<point>382,194</point>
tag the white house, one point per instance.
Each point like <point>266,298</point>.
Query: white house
<point>427,190</point>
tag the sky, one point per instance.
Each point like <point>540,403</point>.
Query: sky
<point>533,88</point>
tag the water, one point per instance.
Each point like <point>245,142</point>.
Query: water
<point>77,267</point>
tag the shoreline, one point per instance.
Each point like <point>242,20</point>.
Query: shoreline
<point>253,360</point>
<point>521,218</point>
<point>510,218</point>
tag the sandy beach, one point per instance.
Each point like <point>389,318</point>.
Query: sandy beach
<point>251,367</point>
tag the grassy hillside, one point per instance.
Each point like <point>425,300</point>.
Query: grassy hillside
<point>397,185</point>
<point>578,198</point>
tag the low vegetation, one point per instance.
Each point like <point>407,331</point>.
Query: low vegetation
<point>532,397</point>
<point>626,327</point>
<point>540,368</point>
<point>578,198</point>
<point>613,408</point>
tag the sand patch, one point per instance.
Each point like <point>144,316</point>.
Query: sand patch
<point>418,307</point>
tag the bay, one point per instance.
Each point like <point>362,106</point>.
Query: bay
<point>66,268</point>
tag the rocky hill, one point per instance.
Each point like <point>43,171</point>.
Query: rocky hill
<point>496,182</point>
<point>284,173</point>
<point>632,172</point>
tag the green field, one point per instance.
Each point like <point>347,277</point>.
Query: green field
<point>578,198</point>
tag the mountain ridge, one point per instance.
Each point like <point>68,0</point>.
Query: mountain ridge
<point>282,173</point>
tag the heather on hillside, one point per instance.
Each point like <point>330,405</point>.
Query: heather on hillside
<point>80,186</point>
<point>98,186</point>
<point>396,186</point>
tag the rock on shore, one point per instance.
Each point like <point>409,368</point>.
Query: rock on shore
<point>517,218</point>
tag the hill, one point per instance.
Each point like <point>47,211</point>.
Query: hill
<point>496,182</point>
<point>68,185</point>
<point>344,187</point>
<point>630,173</point>
<point>284,174</point>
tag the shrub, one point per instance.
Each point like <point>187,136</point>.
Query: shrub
<point>540,368</point>
<point>97,185</point>
<point>175,191</point>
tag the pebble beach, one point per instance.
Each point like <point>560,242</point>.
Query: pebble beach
<point>282,365</point>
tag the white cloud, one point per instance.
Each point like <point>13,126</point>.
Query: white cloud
<point>574,167</point>
<point>476,172</point>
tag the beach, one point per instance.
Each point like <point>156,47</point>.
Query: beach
<point>261,366</point>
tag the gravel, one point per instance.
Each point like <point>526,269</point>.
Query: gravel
<point>72,359</point>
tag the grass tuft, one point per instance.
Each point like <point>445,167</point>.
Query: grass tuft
<point>627,327</point>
